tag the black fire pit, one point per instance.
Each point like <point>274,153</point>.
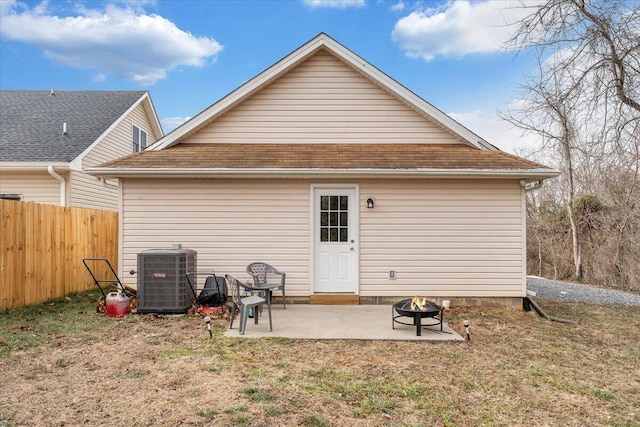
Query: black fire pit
<point>429,310</point>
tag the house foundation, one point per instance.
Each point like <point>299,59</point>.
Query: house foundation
<point>337,299</point>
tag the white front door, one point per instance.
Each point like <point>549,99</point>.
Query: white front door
<point>335,229</point>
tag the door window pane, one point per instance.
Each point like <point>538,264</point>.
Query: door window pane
<point>324,219</point>
<point>324,203</point>
<point>334,218</point>
<point>344,203</point>
<point>344,219</point>
<point>333,204</point>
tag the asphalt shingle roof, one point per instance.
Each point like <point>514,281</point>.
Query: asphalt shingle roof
<point>31,122</point>
<point>324,156</point>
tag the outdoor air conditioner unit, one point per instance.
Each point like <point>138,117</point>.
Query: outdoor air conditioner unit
<point>162,280</point>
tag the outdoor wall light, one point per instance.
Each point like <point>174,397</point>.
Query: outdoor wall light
<point>370,203</point>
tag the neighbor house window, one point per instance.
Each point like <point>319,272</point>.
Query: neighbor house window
<point>139,139</point>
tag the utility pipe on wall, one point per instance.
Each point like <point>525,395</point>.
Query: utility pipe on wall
<point>63,185</point>
<point>531,185</point>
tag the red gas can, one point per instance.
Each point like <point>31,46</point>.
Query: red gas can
<point>117,304</point>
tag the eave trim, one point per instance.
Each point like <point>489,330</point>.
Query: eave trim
<point>321,173</point>
<point>32,166</point>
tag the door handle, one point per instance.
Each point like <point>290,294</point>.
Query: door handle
<point>351,248</point>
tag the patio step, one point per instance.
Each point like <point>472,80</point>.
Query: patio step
<point>334,299</point>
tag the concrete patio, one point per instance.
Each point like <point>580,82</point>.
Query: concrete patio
<point>339,322</point>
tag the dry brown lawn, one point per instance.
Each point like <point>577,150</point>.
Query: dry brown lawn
<point>63,365</point>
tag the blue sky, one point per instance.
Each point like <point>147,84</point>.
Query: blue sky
<point>190,53</point>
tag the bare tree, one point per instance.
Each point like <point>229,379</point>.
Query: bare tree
<point>596,40</point>
<point>552,111</point>
<point>584,100</point>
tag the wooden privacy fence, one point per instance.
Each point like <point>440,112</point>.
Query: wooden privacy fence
<point>42,247</point>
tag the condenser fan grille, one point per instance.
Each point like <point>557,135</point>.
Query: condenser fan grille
<point>162,282</point>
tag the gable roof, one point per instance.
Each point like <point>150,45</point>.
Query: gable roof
<point>301,160</point>
<point>322,41</point>
<point>180,155</point>
<point>31,121</point>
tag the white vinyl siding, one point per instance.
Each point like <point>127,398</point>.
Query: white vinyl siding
<point>442,237</point>
<point>90,192</point>
<point>322,101</point>
<point>38,187</point>
<point>230,223</point>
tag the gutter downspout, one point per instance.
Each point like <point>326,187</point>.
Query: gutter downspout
<point>63,185</point>
<point>106,183</point>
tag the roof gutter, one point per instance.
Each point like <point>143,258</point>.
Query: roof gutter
<point>32,166</point>
<point>63,185</point>
<point>526,174</point>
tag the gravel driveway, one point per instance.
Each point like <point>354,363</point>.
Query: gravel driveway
<point>574,292</point>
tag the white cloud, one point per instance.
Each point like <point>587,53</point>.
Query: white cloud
<point>398,7</point>
<point>99,78</point>
<point>6,6</point>
<point>116,41</point>
<point>170,123</point>
<point>458,28</point>
<point>336,4</point>
<point>496,131</point>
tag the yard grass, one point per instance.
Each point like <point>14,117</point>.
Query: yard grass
<point>63,364</point>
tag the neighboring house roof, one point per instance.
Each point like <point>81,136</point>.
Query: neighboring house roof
<point>31,122</point>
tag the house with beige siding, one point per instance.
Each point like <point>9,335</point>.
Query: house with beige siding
<point>333,172</point>
<point>49,138</point>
